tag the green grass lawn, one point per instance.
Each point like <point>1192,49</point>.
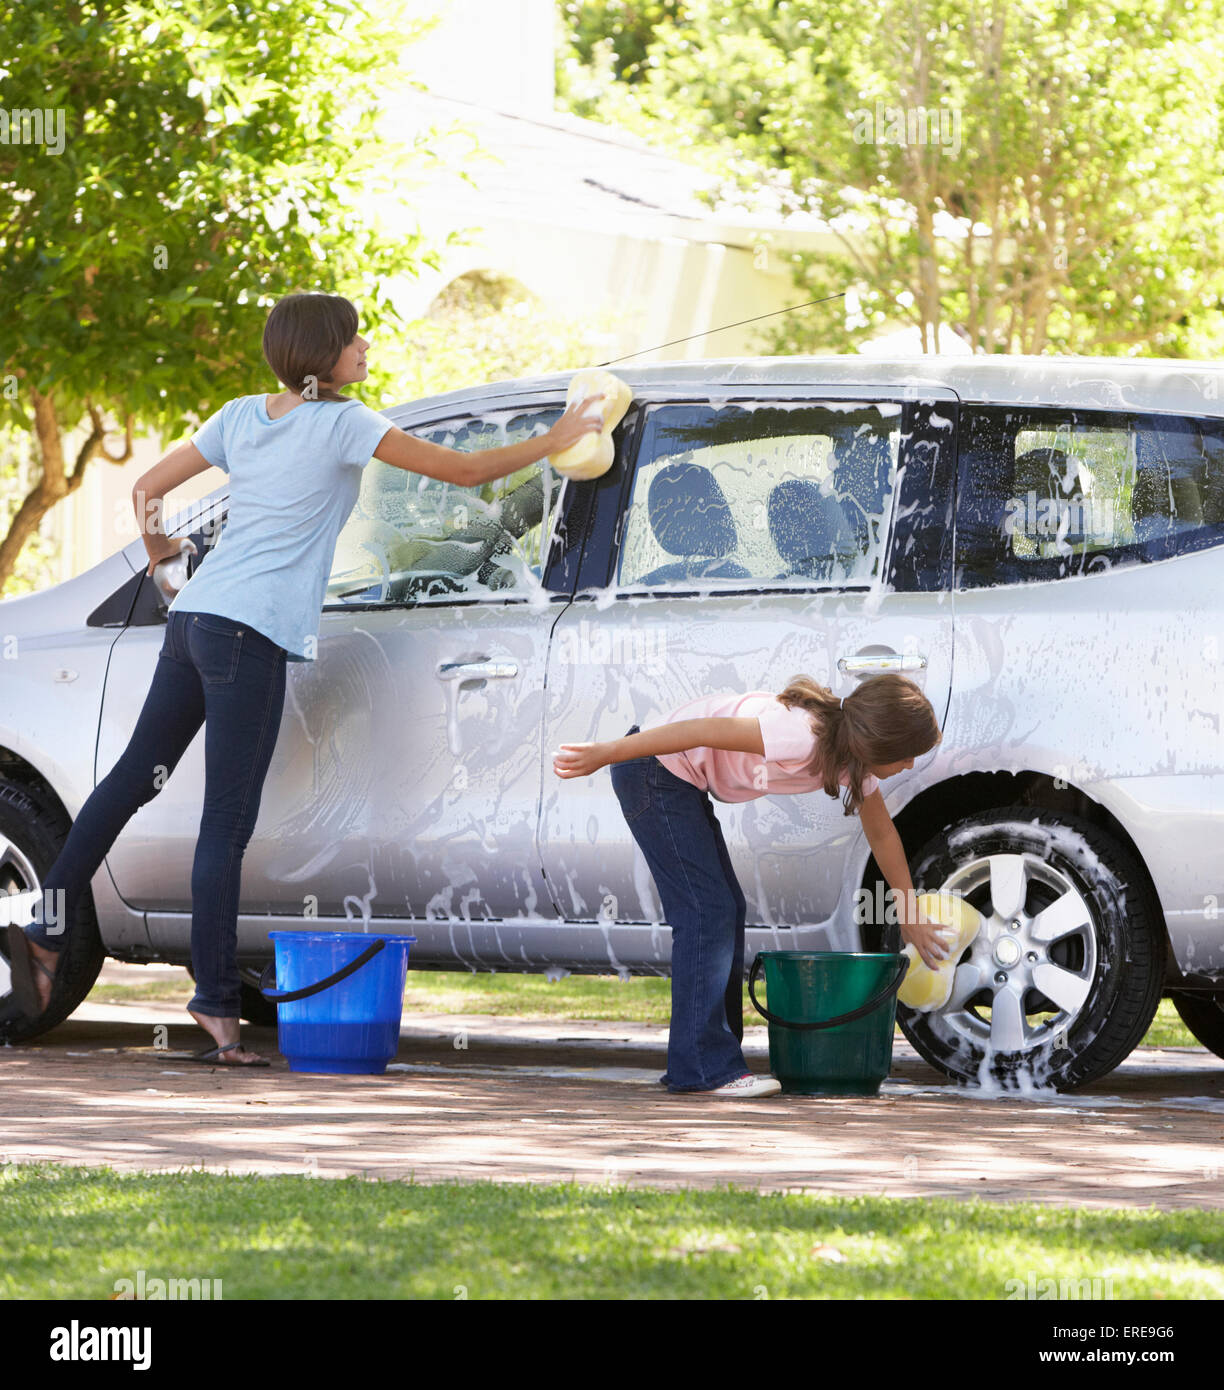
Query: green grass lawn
<point>298,1237</point>
<point>642,999</point>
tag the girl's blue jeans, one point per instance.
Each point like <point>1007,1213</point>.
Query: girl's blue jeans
<point>675,827</point>
<point>222,674</point>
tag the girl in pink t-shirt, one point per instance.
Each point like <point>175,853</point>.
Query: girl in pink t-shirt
<point>736,748</point>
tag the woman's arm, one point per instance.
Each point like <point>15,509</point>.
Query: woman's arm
<point>414,455</point>
<point>149,498</point>
<point>735,735</point>
<point>890,857</point>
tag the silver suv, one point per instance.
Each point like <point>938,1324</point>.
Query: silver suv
<point>1037,543</point>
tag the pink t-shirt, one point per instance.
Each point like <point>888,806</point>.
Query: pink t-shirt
<point>789,743</point>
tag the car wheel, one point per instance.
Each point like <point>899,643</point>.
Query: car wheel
<point>1203,1014</point>
<point>253,1007</point>
<point>1065,976</point>
<point>31,837</point>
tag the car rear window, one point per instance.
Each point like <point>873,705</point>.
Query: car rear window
<point>1046,493</point>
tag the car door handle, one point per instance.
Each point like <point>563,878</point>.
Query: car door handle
<point>477,670</point>
<point>909,661</point>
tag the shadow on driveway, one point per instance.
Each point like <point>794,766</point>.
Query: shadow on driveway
<point>475,1097</point>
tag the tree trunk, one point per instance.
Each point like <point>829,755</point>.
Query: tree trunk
<point>56,481</point>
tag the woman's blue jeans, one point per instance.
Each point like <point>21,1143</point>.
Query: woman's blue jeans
<point>225,675</point>
<point>675,827</point>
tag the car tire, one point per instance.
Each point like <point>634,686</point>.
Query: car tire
<point>1203,1014</point>
<point>254,1008</point>
<point>1076,987</point>
<point>32,834</point>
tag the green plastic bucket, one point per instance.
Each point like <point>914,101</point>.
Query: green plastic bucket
<point>830,1016</point>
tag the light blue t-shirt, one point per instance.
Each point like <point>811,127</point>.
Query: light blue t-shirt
<point>293,483</point>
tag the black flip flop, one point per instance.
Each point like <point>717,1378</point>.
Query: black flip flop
<point>22,965</point>
<point>213,1055</point>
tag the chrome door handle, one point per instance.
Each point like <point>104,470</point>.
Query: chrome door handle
<point>857,664</point>
<point>476,670</point>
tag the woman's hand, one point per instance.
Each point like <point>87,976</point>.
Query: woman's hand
<point>165,548</point>
<point>580,759</point>
<point>574,425</point>
<point>929,939</point>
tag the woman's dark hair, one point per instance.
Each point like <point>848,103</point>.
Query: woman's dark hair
<point>303,339</point>
<point>886,720</point>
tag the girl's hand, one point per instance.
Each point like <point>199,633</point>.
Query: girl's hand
<point>574,424</point>
<point>579,759</point>
<point>929,939</point>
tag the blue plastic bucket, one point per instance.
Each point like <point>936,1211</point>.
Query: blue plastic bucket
<point>348,998</point>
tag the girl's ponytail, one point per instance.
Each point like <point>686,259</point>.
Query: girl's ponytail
<point>886,720</point>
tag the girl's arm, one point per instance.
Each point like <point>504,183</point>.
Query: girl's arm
<point>415,455</point>
<point>735,735</point>
<point>889,853</point>
<point>744,736</point>
<point>149,498</point>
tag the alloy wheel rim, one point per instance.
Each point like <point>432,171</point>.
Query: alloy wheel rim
<point>17,875</point>
<point>1037,948</point>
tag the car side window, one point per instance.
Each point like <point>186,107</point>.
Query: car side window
<point>769,493</point>
<point>138,602</point>
<point>412,539</point>
<point>1177,501</point>
<point>1047,493</point>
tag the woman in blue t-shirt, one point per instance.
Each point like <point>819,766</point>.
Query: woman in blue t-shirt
<point>294,462</point>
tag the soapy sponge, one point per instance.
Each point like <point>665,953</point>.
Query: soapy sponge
<point>593,454</point>
<point>925,989</point>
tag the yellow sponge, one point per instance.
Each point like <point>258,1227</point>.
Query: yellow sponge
<point>593,454</point>
<point>926,989</point>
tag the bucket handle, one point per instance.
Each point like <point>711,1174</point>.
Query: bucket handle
<point>873,1003</point>
<point>286,996</point>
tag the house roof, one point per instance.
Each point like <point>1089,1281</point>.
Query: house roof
<point>562,168</point>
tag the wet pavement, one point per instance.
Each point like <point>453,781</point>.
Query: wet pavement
<point>476,1097</point>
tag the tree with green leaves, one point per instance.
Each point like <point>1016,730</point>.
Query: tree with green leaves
<point>624,29</point>
<point>1033,174</point>
<point>191,164</point>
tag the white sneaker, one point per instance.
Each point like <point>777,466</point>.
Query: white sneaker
<point>747,1086</point>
